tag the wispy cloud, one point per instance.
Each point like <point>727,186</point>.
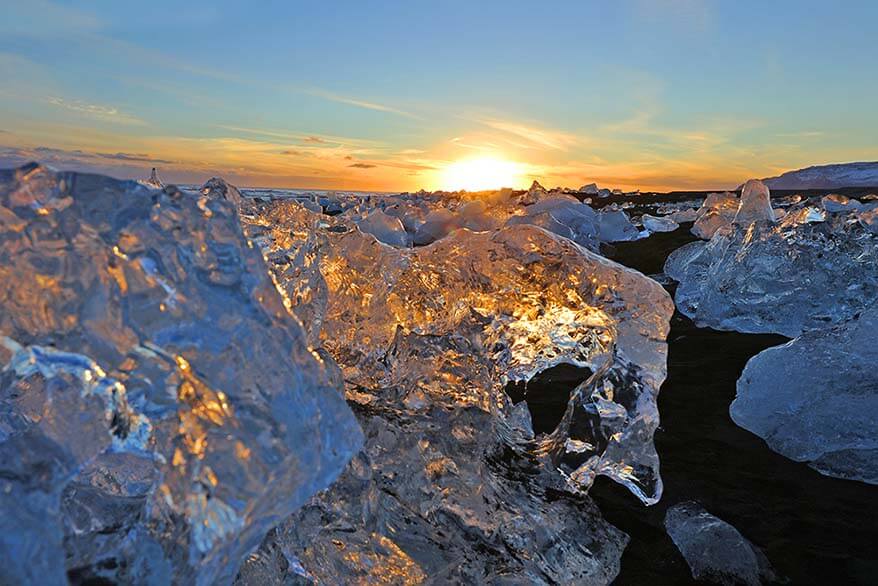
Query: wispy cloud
<point>360,103</point>
<point>533,136</point>
<point>96,111</point>
<point>305,138</point>
<point>362,166</point>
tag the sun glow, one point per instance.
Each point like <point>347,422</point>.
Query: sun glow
<point>481,174</point>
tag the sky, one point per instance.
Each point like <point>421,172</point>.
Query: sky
<point>388,96</point>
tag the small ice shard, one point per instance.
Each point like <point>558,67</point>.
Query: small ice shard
<point>786,278</point>
<point>615,226</point>
<point>659,224</point>
<point>534,194</point>
<point>590,189</point>
<point>835,203</point>
<point>604,193</point>
<point>715,551</point>
<point>386,229</point>
<point>755,204</point>
<point>684,215</point>
<point>564,216</point>
<point>216,187</point>
<point>437,225</point>
<point>154,378</point>
<point>153,180</point>
<point>718,210</point>
<point>869,220</point>
<point>815,399</point>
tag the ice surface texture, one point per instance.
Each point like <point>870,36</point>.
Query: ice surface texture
<point>715,551</point>
<point>815,399</point>
<point>453,484</point>
<point>159,407</point>
<point>797,275</point>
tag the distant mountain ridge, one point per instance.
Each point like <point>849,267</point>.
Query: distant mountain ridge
<point>827,177</point>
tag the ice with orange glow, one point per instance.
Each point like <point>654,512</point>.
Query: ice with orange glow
<point>427,339</point>
<point>160,409</point>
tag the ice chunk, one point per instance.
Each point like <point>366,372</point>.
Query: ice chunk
<point>835,203</point>
<point>386,229</point>
<point>534,194</point>
<point>590,189</point>
<point>715,551</point>
<point>785,278</point>
<point>684,215</point>
<point>155,378</point>
<point>153,180</point>
<point>658,224</point>
<point>437,224</point>
<point>564,216</point>
<point>718,210</point>
<point>218,188</point>
<point>490,307</point>
<point>427,338</point>
<point>615,226</point>
<point>815,399</point>
<point>755,204</point>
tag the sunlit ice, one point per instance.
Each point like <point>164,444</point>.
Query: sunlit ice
<point>481,174</point>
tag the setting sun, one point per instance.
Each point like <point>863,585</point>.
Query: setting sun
<point>481,174</point>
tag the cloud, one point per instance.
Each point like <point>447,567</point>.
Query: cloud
<point>360,103</point>
<point>293,153</point>
<point>75,158</point>
<point>532,135</point>
<point>362,166</point>
<point>96,111</point>
<point>305,138</point>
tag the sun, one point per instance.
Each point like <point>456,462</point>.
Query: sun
<point>481,174</point>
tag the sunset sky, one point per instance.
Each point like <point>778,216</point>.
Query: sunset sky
<point>387,96</point>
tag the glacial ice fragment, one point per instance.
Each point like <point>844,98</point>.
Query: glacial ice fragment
<point>153,181</point>
<point>797,275</point>
<point>386,229</point>
<point>452,471</point>
<point>755,204</point>
<point>159,407</point>
<point>658,224</point>
<point>715,551</point>
<point>718,210</point>
<point>815,399</point>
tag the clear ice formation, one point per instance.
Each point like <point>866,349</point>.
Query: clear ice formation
<point>386,229</point>
<point>658,224</point>
<point>815,399</point>
<point>755,205</point>
<point>153,181</point>
<point>718,210</point>
<point>160,409</point>
<point>800,274</point>
<point>453,484</point>
<point>715,551</point>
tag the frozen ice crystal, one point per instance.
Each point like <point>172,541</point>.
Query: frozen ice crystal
<point>453,484</point>
<point>715,551</point>
<point>815,399</point>
<point>718,210</point>
<point>755,204</point>
<point>797,275</point>
<point>658,224</point>
<point>153,180</point>
<point>160,409</point>
<point>386,229</point>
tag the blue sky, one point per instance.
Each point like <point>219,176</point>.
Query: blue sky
<point>387,95</point>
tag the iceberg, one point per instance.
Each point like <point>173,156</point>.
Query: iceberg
<point>715,551</point>
<point>815,399</point>
<point>153,181</point>
<point>160,409</point>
